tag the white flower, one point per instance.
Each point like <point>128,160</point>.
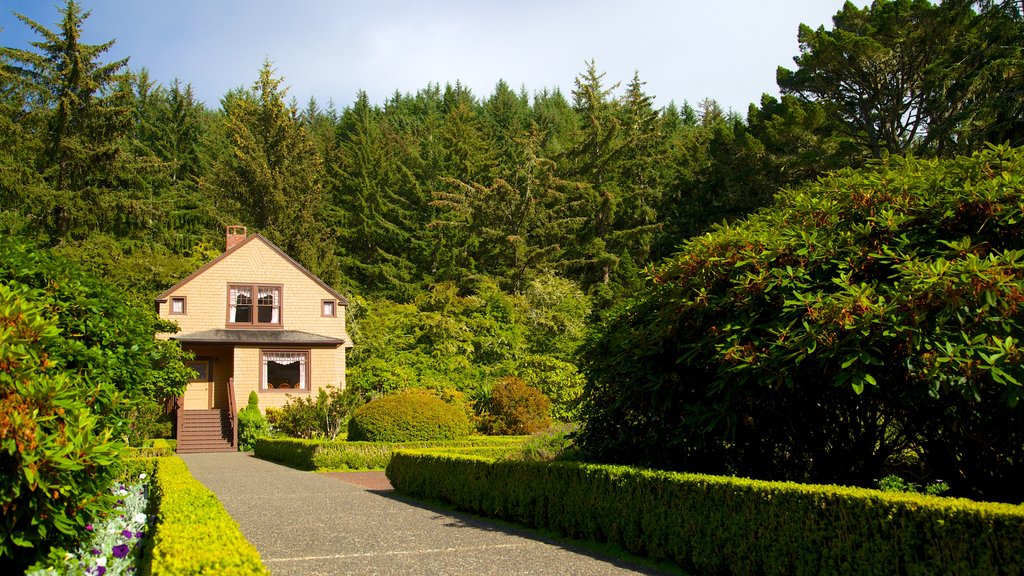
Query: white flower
<point>142,476</point>
<point>101,560</point>
<point>139,518</point>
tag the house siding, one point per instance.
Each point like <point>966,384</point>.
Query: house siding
<point>255,261</point>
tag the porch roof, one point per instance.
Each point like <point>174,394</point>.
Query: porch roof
<point>222,336</point>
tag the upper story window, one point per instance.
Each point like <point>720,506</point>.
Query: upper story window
<point>328,308</point>
<point>254,305</point>
<point>178,305</point>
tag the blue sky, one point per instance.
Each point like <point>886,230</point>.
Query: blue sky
<point>684,50</point>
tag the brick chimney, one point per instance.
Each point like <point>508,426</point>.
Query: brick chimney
<point>235,234</point>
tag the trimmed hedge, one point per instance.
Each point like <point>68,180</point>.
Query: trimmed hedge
<point>129,468</point>
<point>342,455</point>
<point>194,534</point>
<point>722,525</point>
<point>412,415</point>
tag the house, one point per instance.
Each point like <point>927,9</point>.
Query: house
<point>256,320</point>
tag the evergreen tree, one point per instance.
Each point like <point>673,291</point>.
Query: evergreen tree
<point>272,175</point>
<point>81,109</point>
<point>377,223</point>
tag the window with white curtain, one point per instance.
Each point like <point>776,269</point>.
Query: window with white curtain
<point>285,370</point>
<point>255,305</point>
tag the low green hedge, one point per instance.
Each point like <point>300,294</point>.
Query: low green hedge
<point>193,533</point>
<point>343,455</point>
<point>720,525</point>
<point>129,468</point>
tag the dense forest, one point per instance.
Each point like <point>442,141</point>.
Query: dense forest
<point>477,235</point>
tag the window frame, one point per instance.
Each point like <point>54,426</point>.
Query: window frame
<point>334,308</point>
<point>203,375</point>
<point>254,322</point>
<point>184,306</point>
<point>264,387</point>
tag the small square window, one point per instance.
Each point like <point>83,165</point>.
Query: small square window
<point>328,308</point>
<point>178,305</point>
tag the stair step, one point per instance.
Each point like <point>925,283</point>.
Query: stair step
<point>204,431</point>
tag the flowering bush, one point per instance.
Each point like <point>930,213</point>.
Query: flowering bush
<point>112,545</point>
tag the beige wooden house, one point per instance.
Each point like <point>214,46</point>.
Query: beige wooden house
<point>256,320</point>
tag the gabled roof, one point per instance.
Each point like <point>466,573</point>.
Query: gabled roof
<point>166,293</point>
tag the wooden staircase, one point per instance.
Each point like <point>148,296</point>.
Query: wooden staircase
<point>204,431</point>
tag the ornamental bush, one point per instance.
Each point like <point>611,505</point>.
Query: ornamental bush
<point>55,452</point>
<point>251,424</point>
<point>326,416</point>
<point>515,408</point>
<point>873,314</point>
<point>408,416</point>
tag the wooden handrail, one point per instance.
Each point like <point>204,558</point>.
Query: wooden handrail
<point>179,416</point>
<point>233,413</point>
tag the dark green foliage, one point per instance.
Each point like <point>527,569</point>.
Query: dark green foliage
<point>251,424</point>
<point>103,339</point>
<point>408,416</point>
<point>325,417</point>
<point>343,455</point>
<point>904,76</point>
<point>717,525</point>
<point>194,533</point>
<point>874,313</point>
<point>514,408</point>
<point>147,420</point>
<point>446,340</point>
<point>55,450</point>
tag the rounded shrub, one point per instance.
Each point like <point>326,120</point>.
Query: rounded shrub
<point>516,408</point>
<point>410,415</point>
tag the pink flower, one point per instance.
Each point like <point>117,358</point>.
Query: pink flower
<point>88,527</point>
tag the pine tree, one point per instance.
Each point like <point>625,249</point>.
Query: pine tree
<point>83,112</point>
<point>272,174</point>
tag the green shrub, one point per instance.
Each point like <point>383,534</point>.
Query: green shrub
<point>168,443</point>
<point>550,444</point>
<point>325,417</point>
<point>56,455</point>
<point>193,532</point>
<point>251,424</point>
<point>872,314</point>
<point>294,452</point>
<point>721,525</point>
<point>411,415</point>
<point>342,455</point>
<point>146,420</point>
<point>515,408</point>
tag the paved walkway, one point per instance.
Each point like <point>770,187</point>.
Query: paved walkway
<point>305,523</point>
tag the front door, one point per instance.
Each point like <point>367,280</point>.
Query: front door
<point>199,393</point>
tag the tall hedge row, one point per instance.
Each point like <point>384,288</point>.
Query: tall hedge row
<point>723,525</point>
<point>873,315</point>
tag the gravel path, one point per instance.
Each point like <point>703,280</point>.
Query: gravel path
<point>304,523</point>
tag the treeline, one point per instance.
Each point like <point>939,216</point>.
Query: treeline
<point>137,180</point>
